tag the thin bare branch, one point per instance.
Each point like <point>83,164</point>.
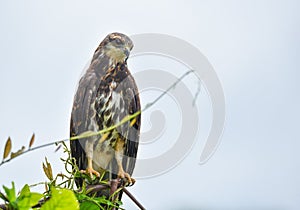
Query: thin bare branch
<point>124,120</point>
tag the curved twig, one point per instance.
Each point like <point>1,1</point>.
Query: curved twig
<point>90,134</point>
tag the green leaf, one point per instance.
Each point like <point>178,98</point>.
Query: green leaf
<point>61,199</point>
<point>88,205</point>
<point>35,198</point>
<point>27,199</point>
<point>3,197</point>
<point>10,193</point>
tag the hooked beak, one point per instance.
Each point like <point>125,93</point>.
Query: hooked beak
<point>126,52</point>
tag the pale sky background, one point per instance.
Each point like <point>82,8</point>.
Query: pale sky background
<point>254,48</point>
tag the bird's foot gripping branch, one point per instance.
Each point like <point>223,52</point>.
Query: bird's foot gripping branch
<point>61,191</point>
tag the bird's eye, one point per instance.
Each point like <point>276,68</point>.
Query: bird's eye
<point>118,41</point>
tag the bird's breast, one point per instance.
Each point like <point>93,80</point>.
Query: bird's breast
<point>103,155</point>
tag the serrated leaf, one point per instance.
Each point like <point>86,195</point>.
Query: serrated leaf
<point>7,148</point>
<point>10,192</point>
<point>32,140</point>
<point>61,199</point>
<point>27,199</point>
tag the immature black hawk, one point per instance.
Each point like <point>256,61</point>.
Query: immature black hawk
<point>106,94</point>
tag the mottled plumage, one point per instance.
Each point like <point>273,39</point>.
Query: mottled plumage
<point>106,94</point>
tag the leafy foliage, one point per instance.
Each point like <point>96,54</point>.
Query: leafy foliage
<point>60,190</point>
<point>23,201</point>
<point>61,199</point>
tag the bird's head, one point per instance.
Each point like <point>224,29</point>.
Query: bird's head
<point>117,46</point>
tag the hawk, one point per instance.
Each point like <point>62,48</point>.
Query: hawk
<point>106,94</point>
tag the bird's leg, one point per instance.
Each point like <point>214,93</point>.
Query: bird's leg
<point>119,148</point>
<point>89,154</point>
<point>89,169</point>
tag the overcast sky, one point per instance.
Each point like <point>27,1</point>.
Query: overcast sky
<point>254,48</point>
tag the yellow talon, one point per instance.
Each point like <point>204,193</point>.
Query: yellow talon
<point>90,171</point>
<point>123,175</point>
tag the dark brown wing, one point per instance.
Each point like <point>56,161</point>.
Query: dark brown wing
<point>132,142</point>
<point>82,113</point>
